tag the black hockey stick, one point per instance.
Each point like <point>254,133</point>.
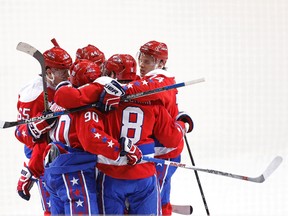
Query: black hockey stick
<point>197,178</point>
<point>7,124</point>
<point>160,89</point>
<point>259,179</point>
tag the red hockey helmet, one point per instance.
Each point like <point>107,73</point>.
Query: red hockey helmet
<point>57,58</point>
<point>123,65</point>
<point>91,53</point>
<point>84,71</point>
<point>156,49</point>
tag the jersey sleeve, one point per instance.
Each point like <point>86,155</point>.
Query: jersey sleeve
<point>90,131</point>
<point>167,97</point>
<point>69,97</point>
<point>168,131</point>
<point>148,83</point>
<point>27,110</point>
<point>36,161</point>
<point>23,135</point>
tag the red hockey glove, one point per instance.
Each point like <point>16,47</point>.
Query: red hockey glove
<point>25,183</point>
<point>132,152</point>
<point>36,129</point>
<point>183,116</point>
<point>110,96</point>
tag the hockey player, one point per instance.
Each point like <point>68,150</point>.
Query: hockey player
<point>136,185</point>
<point>33,135</point>
<point>77,139</point>
<point>152,60</point>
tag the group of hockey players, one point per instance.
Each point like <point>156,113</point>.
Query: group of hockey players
<point>91,162</point>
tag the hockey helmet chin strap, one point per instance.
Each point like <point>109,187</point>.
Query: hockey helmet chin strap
<point>51,80</point>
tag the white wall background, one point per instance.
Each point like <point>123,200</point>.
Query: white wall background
<point>240,112</point>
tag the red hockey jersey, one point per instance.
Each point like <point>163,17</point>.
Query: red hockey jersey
<point>85,130</point>
<point>30,104</point>
<point>141,123</point>
<point>156,79</point>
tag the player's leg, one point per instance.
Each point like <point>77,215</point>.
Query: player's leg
<point>144,197</point>
<point>111,195</point>
<point>44,196</point>
<point>55,202</point>
<point>164,174</point>
<point>79,193</point>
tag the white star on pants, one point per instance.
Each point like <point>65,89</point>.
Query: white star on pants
<point>74,181</point>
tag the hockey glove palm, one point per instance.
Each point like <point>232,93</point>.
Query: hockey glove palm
<point>36,129</point>
<point>132,152</point>
<point>25,183</point>
<point>184,117</point>
<point>110,96</point>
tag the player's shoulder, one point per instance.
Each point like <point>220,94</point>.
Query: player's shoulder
<point>160,72</point>
<point>31,90</point>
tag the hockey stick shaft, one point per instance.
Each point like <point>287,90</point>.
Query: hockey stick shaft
<point>42,117</point>
<point>30,50</point>
<point>269,170</point>
<point>160,89</point>
<point>7,124</point>
<point>197,177</point>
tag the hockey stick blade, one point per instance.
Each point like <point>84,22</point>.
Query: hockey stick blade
<point>270,169</point>
<point>27,48</point>
<point>30,50</point>
<point>182,209</point>
<point>260,179</point>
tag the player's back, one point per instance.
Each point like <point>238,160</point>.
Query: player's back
<point>78,130</point>
<point>140,123</point>
<point>133,120</point>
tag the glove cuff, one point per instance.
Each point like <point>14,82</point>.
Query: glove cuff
<point>33,131</point>
<point>26,172</point>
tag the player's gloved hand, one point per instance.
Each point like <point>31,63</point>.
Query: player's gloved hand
<point>37,128</point>
<point>25,183</point>
<point>110,96</point>
<point>56,108</point>
<point>132,152</point>
<point>184,117</point>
